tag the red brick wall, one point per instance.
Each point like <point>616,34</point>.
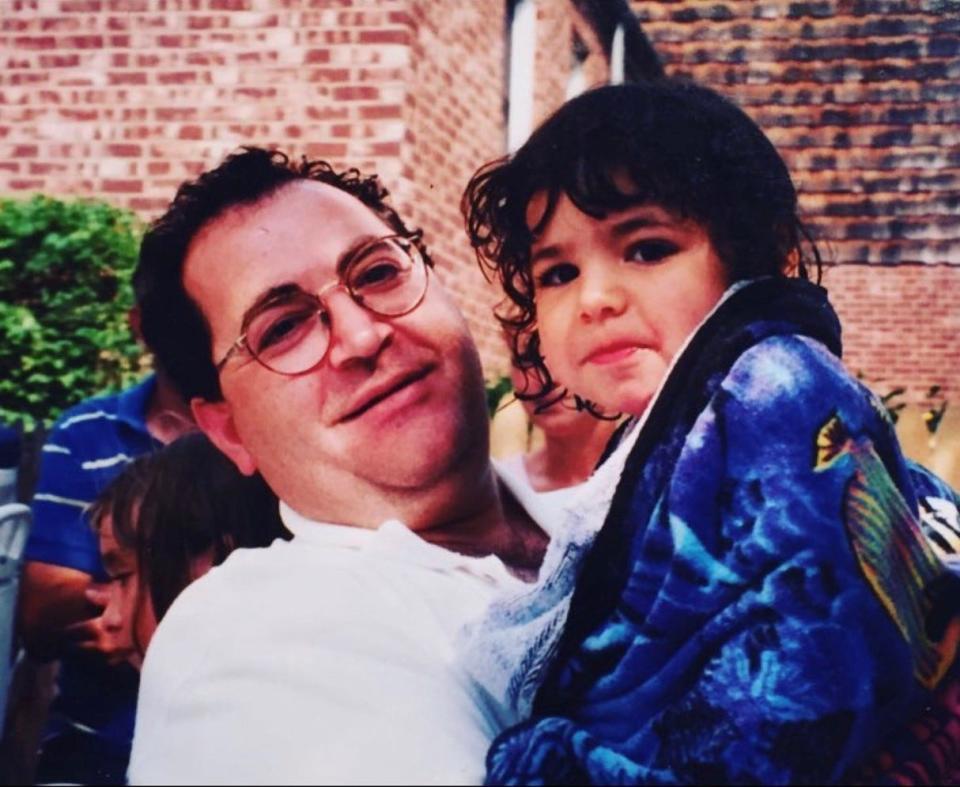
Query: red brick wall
<point>453,122</point>
<point>555,26</point>
<point>123,99</point>
<point>911,303</point>
<point>862,98</point>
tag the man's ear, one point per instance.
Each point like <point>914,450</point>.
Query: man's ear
<point>215,419</point>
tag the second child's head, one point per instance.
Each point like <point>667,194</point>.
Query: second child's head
<point>165,521</point>
<point>620,223</point>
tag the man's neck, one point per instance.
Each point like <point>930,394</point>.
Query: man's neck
<point>486,519</point>
<point>468,510</point>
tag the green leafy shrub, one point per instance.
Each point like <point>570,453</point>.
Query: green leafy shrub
<point>64,295</point>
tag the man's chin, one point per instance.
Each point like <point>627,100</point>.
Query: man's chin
<point>426,452</point>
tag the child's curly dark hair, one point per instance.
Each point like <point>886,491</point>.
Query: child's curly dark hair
<point>675,144</point>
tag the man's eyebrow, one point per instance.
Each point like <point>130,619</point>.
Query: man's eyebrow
<point>278,293</point>
<point>348,256</point>
<point>282,291</point>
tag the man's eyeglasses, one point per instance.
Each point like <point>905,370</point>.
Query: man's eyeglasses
<point>290,333</point>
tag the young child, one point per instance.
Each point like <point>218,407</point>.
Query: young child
<point>164,522</point>
<point>760,604</point>
<point>551,473</point>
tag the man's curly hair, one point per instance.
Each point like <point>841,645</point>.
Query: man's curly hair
<point>674,144</point>
<point>172,324</point>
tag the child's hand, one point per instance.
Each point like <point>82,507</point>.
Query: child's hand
<point>99,634</point>
<point>98,594</point>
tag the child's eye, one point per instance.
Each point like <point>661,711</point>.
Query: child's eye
<point>650,251</point>
<point>557,275</point>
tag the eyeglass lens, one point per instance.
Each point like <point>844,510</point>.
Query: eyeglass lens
<point>291,336</point>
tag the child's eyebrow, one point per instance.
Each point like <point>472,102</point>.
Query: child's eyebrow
<point>645,217</point>
<point>635,223</point>
<point>546,253</point>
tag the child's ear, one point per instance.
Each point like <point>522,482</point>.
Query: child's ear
<point>215,419</point>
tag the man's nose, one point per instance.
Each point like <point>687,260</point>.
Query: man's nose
<point>355,332</point>
<point>601,294</point>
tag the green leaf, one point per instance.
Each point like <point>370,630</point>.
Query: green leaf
<point>496,390</point>
<point>65,269</point>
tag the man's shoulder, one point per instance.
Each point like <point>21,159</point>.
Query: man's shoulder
<point>247,587</point>
<point>100,407</point>
<point>212,612</point>
<point>106,410</point>
<point>245,573</point>
<point>232,616</point>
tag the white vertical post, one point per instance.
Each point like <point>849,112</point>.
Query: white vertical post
<point>523,42</point>
<point>617,55</point>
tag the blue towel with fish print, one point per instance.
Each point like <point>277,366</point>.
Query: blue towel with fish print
<point>762,604</point>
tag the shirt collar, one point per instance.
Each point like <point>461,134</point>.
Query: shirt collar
<point>132,403</point>
<point>392,537</point>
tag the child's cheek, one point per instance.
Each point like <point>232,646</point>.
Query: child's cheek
<point>557,346</point>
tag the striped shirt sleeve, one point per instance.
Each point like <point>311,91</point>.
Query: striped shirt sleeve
<point>61,533</point>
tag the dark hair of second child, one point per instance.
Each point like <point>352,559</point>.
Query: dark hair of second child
<point>183,504</point>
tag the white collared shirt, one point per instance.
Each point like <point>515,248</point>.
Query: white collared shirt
<point>326,659</point>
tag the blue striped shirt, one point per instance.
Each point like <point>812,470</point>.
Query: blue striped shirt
<point>86,448</point>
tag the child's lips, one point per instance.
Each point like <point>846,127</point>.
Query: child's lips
<point>612,353</point>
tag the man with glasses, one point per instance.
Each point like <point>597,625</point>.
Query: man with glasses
<point>306,326</point>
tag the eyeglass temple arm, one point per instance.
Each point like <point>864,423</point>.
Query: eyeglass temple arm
<point>237,345</point>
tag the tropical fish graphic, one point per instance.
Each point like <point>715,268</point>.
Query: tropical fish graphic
<point>913,585</point>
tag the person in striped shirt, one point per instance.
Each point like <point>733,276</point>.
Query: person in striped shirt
<point>87,735</point>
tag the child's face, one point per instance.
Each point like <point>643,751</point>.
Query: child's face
<point>129,613</point>
<point>616,297</point>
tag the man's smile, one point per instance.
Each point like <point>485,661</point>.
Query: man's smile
<point>374,394</point>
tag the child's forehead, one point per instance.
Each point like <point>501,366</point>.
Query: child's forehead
<point>110,547</point>
<point>546,217</point>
